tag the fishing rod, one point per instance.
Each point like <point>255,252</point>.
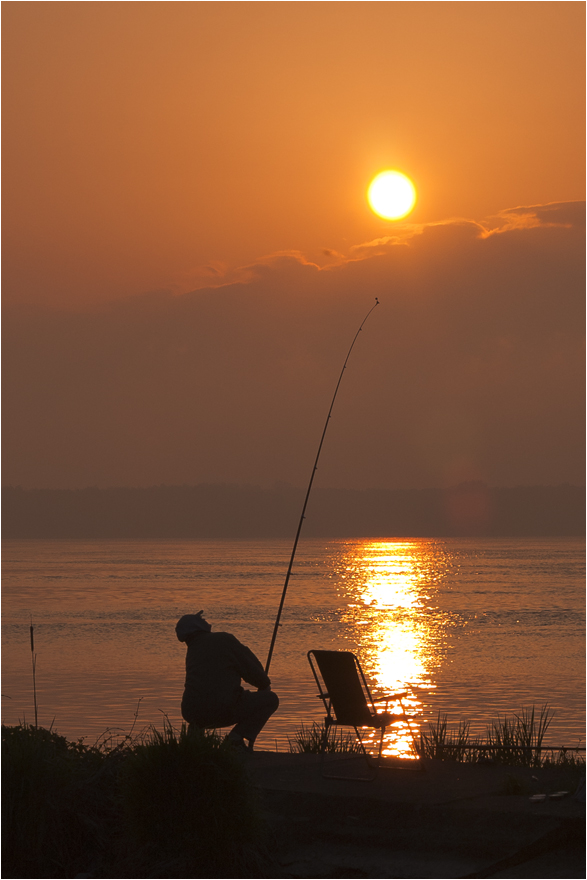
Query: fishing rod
<point>303,516</point>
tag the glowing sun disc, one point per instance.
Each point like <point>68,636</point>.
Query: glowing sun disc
<point>392,195</point>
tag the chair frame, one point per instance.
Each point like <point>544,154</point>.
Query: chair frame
<point>370,705</point>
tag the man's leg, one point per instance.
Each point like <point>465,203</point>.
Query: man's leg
<point>253,711</point>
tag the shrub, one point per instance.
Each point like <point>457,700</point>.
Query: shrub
<point>162,805</point>
<point>52,812</point>
<point>188,803</point>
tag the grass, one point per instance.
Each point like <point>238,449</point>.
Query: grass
<point>162,805</point>
<point>516,741</point>
<point>443,744</point>
<point>308,739</point>
<point>519,739</point>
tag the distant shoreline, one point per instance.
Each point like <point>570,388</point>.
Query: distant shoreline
<point>230,511</point>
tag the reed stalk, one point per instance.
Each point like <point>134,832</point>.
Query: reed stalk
<point>443,744</point>
<point>517,740</point>
<point>309,740</point>
<point>34,662</point>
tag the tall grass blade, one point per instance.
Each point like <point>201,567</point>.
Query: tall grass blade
<point>34,662</point>
<point>308,740</point>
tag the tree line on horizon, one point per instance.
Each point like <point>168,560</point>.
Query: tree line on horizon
<point>230,511</point>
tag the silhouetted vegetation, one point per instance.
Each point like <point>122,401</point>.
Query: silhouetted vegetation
<point>165,805</point>
<point>515,741</point>
<point>308,739</point>
<point>217,511</point>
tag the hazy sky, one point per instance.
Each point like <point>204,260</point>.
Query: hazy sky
<point>188,249</point>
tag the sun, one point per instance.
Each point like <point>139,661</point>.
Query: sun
<point>392,195</point>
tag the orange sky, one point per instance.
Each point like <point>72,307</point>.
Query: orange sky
<point>188,249</point>
<point>144,142</point>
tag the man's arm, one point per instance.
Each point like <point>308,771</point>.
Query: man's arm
<point>250,667</point>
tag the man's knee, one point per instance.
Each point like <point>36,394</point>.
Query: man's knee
<point>265,701</point>
<point>273,702</point>
<point>268,701</point>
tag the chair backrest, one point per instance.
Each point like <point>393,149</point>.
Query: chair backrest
<point>340,674</point>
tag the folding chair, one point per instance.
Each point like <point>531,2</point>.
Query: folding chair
<point>347,700</point>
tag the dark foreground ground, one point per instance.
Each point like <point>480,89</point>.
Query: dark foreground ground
<point>451,820</point>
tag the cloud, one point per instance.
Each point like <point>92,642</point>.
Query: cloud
<point>563,214</point>
<point>472,368</point>
<point>556,214</point>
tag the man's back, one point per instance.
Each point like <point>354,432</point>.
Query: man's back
<point>215,665</point>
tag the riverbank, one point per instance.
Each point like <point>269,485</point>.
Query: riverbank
<point>449,820</point>
<point>168,804</point>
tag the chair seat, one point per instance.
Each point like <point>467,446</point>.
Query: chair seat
<point>382,719</point>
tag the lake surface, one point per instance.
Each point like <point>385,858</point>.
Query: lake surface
<point>476,627</point>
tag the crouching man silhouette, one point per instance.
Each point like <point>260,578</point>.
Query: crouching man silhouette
<point>213,695</point>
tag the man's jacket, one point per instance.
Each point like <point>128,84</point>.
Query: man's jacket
<point>215,664</point>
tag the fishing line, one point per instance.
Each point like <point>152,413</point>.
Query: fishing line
<point>303,516</point>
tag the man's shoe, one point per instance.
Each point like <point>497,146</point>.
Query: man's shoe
<point>237,742</point>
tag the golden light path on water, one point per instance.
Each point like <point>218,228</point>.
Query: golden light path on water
<point>389,588</point>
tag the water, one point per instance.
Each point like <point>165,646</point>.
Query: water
<point>476,627</point>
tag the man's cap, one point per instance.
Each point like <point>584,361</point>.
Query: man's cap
<point>191,623</point>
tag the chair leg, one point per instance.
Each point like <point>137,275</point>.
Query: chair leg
<point>407,717</point>
<point>381,744</point>
<point>369,778</point>
<point>359,737</point>
<point>367,758</point>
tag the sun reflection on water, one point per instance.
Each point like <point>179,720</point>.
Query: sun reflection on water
<point>389,588</point>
